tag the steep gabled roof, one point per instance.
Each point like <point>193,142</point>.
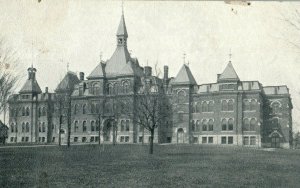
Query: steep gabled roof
<point>98,72</point>
<point>68,82</point>
<point>229,74</point>
<point>31,86</point>
<point>184,76</point>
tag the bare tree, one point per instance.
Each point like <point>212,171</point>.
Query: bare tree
<point>151,109</point>
<point>8,75</point>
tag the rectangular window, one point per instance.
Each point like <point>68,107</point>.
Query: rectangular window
<point>230,140</point>
<point>40,139</point>
<point>15,139</point>
<point>92,139</point>
<point>127,139</point>
<point>140,139</point>
<point>43,139</point>
<point>11,139</point>
<point>83,139</point>
<point>223,140</point>
<point>252,140</point>
<point>23,139</point>
<point>210,139</point>
<point>246,140</point>
<point>53,139</point>
<point>26,139</point>
<point>211,127</point>
<point>96,138</point>
<point>75,139</point>
<point>204,140</point>
<point>169,139</point>
<point>195,140</point>
<point>224,127</point>
<point>122,139</point>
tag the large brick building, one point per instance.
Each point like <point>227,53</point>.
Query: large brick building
<point>230,111</point>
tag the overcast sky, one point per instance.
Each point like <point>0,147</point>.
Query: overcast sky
<point>78,31</point>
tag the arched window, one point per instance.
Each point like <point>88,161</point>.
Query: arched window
<point>27,111</point>
<point>230,124</point>
<point>43,127</point>
<point>275,107</point>
<point>198,125</point>
<point>181,96</point>
<point>110,89</point>
<point>252,124</point>
<point>246,124</point>
<point>40,112</point>
<point>40,127</point>
<point>27,127</point>
<point>92,126</point>
<point>253,105</point>
<point>210,106</point>
<point>127,125</point>
<point>75,108</point>
<point>224,105</point>
<point>198,107</point>
<point>230,105</point>
<point>125,87</point>
<point>84,126</point>
<point>122,125</point>
<point>23,127</point>
<point>210,125</point>
<point>204,125</point>
<point>204,106</point>
<point>44,113</point>
<point>246,105</point>
<point>224,124</point>
<point>92,108</point>
<point>84,109</point>
<point>194,107</point>
<point>96,89</point>
<point>12,128</point>
<point>23,111</point>
<point>75,126</point>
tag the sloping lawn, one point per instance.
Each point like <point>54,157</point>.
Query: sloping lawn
<point>132,166</point>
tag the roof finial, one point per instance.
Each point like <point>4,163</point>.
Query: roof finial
<point>122,7</point>
<point>100,56</point>
<point>32,54</point>
<point>230,55</point>
<point>68,66</point>
<point>184,55</point>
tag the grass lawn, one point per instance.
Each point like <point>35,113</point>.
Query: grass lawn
<point>131,166</point>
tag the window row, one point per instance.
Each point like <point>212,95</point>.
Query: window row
<point>227,124</point>
<point>124,138</point>
<point>113,89</point>
<point>42,139</point>
<point>95,108</point>
<point>13,139</point>
<point>226,140</point>
<point>249,140</point>
<point>205,106</point>
<point>250,105</point>
<point>42,111</point>
<point>249,124</point>
<point>94,126</point>
<point>42,127</point>
<point>227,105</point>
<point>84,139</point>
<point>25,139</point>
<point>207,125</point>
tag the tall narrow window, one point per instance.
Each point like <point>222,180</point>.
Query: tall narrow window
<point>92,126</point>
<point>181,96</point>
<point>27,111</point>
<point>210,106</point>
<point>84,109</point>
<point>40,127</point>
<point>210,125</point>
<point>27,127</point>
<point>252,124</point>
<point>75,108</point>
<point>127,125</point>
<point>204,106</point>
<point>275,107</point>
<point>122,125</point>
<point>12,127</point>
<point>84,126</point>
<point>246,124</point>
<point>230,105</point>
<point>230,124</point>
<point>204,125</point>
<point>198,124</point>
<point>75,126</point>
<point>125,87</point>
<point>40,112</point>
<point>224,124</point>
<point>96,89</point>
<point>43,127</point>
<point>193,126</point>
<point>23,111</point>
<point>97,108</point>
<point>224,105</point>
<point>92,108</point>
<point>198,107</point>
<point>253,105</point>
<point>23,127</point>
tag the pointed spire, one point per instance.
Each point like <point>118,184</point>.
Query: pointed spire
<point>229,74</point>
<point>122,31</point>
<point>185,76</point>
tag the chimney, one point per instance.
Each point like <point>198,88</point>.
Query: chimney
<point>148,71</point>
<point>166,72</point>
<point>81,76</point>
<point>46,89</point>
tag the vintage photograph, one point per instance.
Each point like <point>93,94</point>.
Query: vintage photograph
<point>97,93</point>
